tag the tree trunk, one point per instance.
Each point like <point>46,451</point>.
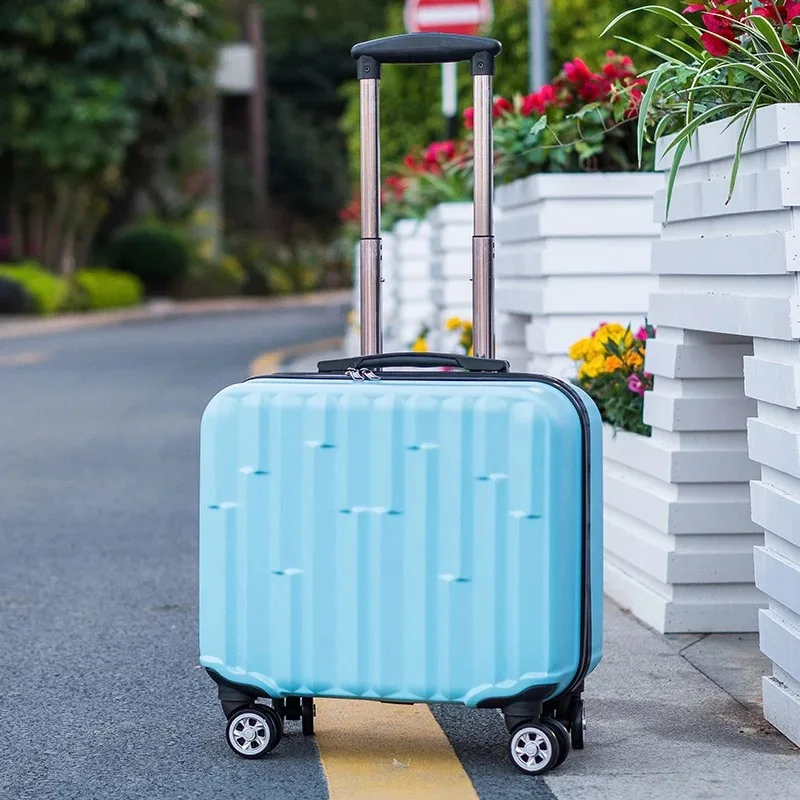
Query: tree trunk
<point>17,233</point>
<point>37,226</point>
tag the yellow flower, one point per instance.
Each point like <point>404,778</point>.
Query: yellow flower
<point>580,349</point>
<point>634,359</point>
<point>613,363</point>
<point>591,369</point>
<point>613,332</point>
<point>453,324</point>
<point>420,346</point>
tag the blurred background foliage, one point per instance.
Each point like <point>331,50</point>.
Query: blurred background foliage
<point>103,135</point>
<point>411,98</point>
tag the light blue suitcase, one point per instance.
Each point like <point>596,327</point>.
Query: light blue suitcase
<point>404,536</point>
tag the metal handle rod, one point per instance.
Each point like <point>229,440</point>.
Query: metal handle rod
<point>370,252</point>
<point>483,234</point>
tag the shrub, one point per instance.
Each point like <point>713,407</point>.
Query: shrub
<point>583,121</point>
<point>47,291</point>
<point>107,288</point>
<point>157,254</point>
<point>223,278</point>
<point>611,371</point>
<point>14,299</point>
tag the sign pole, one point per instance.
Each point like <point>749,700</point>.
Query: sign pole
<point>465,17</point>
<point>537,44</point>
<point>450,100</point>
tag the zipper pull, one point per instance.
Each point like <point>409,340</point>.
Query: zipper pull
<point>370,375</point>
<point>354,374</point>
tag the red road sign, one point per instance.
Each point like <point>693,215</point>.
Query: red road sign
<point>447,16</point>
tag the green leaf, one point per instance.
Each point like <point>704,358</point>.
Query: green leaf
<point>748,119</point>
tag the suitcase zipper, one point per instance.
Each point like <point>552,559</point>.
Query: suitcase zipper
<point>361,374</point>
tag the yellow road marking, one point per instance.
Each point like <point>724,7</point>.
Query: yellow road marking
<point>22,359</point>
<point>378,751</point>
<point>271,361</point>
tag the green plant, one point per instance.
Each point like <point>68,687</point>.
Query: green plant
<point>420,344</point>
<point>463,327</point>
<point>411,97</point>
<point>100,288</point>
<point>157,254</point>
<point>743,56</point>
<point>49,292</point>
<point>221,278</point>
<point>90,93</point>
<point>14,297</point>
<point>611,371</point>
<point>582,121</point>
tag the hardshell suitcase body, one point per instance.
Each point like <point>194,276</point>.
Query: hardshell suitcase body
<point>405,536</point>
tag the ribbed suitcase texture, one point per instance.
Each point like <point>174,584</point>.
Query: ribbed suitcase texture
<point>412,540</point>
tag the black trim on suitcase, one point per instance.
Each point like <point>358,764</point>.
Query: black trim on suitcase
<point>585,655</point>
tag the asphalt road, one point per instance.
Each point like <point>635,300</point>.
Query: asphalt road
<point>101,694</point>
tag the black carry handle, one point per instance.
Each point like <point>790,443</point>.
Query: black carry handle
<point>429,48</point>
<point>382,360</point>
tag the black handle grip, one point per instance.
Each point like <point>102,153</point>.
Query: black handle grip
<point>426,48</point>
<point>381,360</point>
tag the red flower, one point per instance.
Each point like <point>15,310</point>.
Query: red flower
<point>791,10</point>
<point>396,185</point>
<point>437,152</point>
<point>768,12</point>
<point>469,118</point>
<point>594,89</point>
<point>641,334</point>
<point>694,7</point>
<point>632,111</point>
<point>538,102</point>
<point>501,106</point>
<point>410,162</point>
<point>714,45</point>
<point>576,71</point>
<point>718,23</point>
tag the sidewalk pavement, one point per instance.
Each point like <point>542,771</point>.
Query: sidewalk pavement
<point>670,717</point>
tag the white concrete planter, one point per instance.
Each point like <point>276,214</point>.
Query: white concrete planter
<point>658,539</point>
<point>572,250</point>
<point>413,281</point>
<point>727,367</point>
<point>451,269</point>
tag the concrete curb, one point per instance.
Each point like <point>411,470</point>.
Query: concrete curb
<point>165,310</point>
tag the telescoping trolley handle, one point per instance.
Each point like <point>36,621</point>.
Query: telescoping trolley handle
<point>427,48</point>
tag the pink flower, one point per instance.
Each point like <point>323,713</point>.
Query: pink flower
<point>577,71</point>
<point>469,118</point>
<point>641,334</point>
<point>635,384</point>
<point>436,152</point>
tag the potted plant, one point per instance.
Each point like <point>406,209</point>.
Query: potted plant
<point>575,212</point>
